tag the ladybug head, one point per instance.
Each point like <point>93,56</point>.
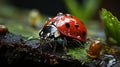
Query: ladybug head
<point>48,32</point>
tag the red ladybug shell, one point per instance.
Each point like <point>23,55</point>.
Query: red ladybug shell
<point>69,26</point>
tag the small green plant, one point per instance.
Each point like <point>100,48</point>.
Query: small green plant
<point>83,11</point>
<point>111,27</point>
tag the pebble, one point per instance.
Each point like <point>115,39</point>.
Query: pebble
<point>3,29</point>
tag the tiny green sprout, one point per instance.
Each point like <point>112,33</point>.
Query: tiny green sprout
<point>111,27</point>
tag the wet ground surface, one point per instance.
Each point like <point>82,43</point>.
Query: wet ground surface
<point>15,49</point>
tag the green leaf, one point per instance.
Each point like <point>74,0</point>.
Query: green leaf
<point>111,26</point>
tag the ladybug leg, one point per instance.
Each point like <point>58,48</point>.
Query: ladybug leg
<point>50,44</point>
<point>54,47</point>
<point>41,43</point>
<point>64,44</point>
<point>78,43</point>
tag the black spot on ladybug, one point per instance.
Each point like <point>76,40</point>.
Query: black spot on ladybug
<point>83,33</point>
<point>76,25</point>
<point>67,25</point>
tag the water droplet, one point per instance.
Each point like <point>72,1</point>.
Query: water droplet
<point>49,18</point>
<point>110,24</point>
<point>78,36</point>
<point>67,20</point>
<point>113,18</point>
<point>60,13</point>
<point>68,33</point>
<point>68,14</point>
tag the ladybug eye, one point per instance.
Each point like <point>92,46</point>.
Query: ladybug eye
<point>67,25</point>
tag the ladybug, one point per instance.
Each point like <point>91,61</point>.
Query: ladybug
<point>64,25</point>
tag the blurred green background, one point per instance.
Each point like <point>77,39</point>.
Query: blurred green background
<point>26,17</point>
